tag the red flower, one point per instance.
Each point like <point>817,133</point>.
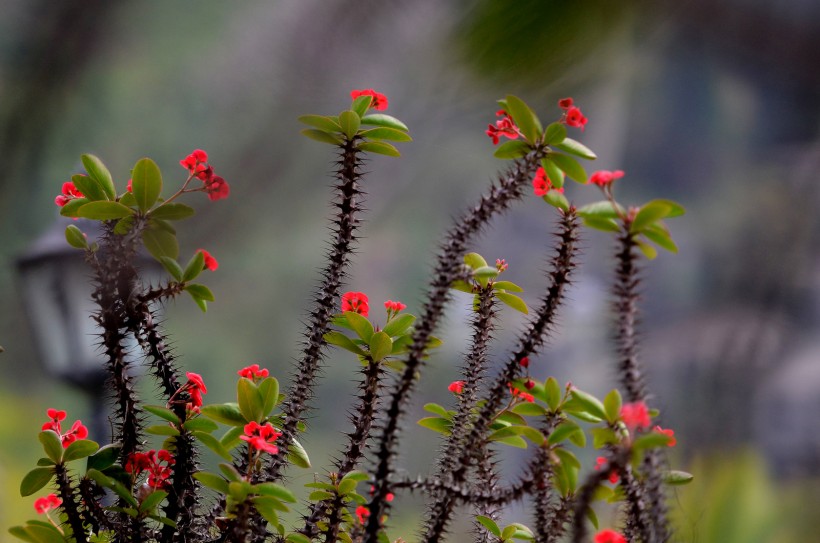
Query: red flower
<point>603,178</point>
<point>521,394</point>
<point>356,302</point>
<point>636,416</point>
<point>362,512</point>
<point>78,431</point>
<point>525,362</point>
<point>69,192</point>
<point>542,184</point>
<point>565,103</point>
<point>129,186</point>
<point>574,117</point>
<point>379,101</point>
<point>217,188</point>
<point>253,372</point>
<point>158,475</point>
<point>501,265</point>
<point>669,432</point>
<point>609,536</point>
<point>600,462</point>
<point>210,262</point>
<point>196,388</point>
<point>47,503</point>
<point>261,437</point>
<point>190,162</point>
<point>394,307</point>
<point>456,387</point>
<point>503,127</point>
<point>389,497</point>
<point>530,384</point>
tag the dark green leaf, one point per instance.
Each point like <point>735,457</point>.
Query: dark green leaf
<point>152,500</point>
<point>602,437</point>
<point>45,462</point>
<point>52,445</point>
<point>380,346</point>
<point>163,413</point>
<point>379,147</point>
<point>524,118</point>
<point>570,167</point>
<point>322,136</point>
<point>437,424</point>
<point>361,105</point>
<point>200,424</point>
<point>269,389</point>
<point>35,480</point>
<point>200,291</point>
<point>75,237</point>
<point>250,400</point>
<point>44,533</point>
<point>326,124</point>
<point>172,212</point>
<point>90,188</point>
<point>172,266</point>
<point>230,472</point>
<point>554,173</point>
<point>563,431</point>
<point>593,518</point>
<point>350,122</point>
<point>71,208</point>
<point>97,171</point>
<point>212,481</point>
<point>81,448</point>
<point>160,242</point>
<point>127,199</point>
<point>380,119</point>
<point>103,211</point>
<point>124,225</point>
<point>341,340</point>
<point>226,413</point>
<point>105,457</point>
<point>231,439</point>
<point>557,199</point>
<point>555,133</point>
<point>576,148</point>
<point>399,324</point>
<point>194,267</point>
<point>383,133</point>
<point>513,301</point>
<point>20,533</point>
<point>360,325</point>
<point>512,149</point>
<point>146,183</point>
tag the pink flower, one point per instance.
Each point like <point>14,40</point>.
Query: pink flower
<point>565,103</point>
<point>261,437</point>
<point>603,178</point>
<point>669,432</point>
<point>501,265</point>
<point>600,462</point>
<point>636,416</point>
<point>379,101</point>
<point>362,513</point>
<point>217,188</point>
<point>503,127</point>
<point>456,387</point>
<point>69,192</point>
<point>196,388</point>
<point>356,302</point>
<point>609,536</point>
<point>573,117</point>
<point>47,503</point>
<point>253,372</point>
<point>394,307</point>
<point>541,184</point>
<point>210,261</point>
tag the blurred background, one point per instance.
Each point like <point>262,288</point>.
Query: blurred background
<point>716,105</point>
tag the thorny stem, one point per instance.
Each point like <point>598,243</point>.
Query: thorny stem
<point>619,461</point>
<point>70,504</point>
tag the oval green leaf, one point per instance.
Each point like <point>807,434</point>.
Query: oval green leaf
<point>384,133</point>
<point>380,119</point>
<point>380,346</point>
<point>35,480</point>
<point>555,133</point>
<point>576,148</point>
<point>52,445</point>
<point>570,167</point>
<point>75,237</point>
<point>323,123</point>
<point>269,389</point>
<point>524,118</point>
<point>349,121</point>
<point>513,301</point>
<point>90,188</point>
<point>81,448</point>
<point>172,212</point>
<point>379,147</point>
<point>250,400</point>
<point>97,170</point>
<point>554,173</point>
<point>512,149</point>
<point>146,183</point>
<point>322,136</point>
<point>226,413</point>
<point>159,242</point>
<point>103,211</point>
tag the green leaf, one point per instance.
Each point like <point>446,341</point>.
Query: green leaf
<point>512,149</point>
<point>97,171</point>
<point>380,119</point>
<point>194,267</point>
<point>513,301</point>
<point>346,486</point>
<point>600,210</point>
<point>563,431</point>
<point>113,484</point>
<point>379,147</point>
<point>360,325</point>
<point>70,209</point>
<point>486,272</point>
<point>557,199</point>
<point>230,439</point>
<point>45,462</point>
<point>576,148</point>
<point>250,400</point>
<point>319,495</point>
<point>593,518</point>
<point>513,441</point>
<point>226,413</point>
<point>399,324</point>
<point>212,481</point>
<point>676,210</point>
<point>75,237</point>
<point>152,500</point>
<point>507,286</point>
<point>612,405</point>
<point>20,533</point>
<point>475,261</point>
<point>211,442</point>
<point>350,122</point>
<point>361,105</point>
<point>649,213</point>
<point>658,234</point>
<point>592,404</point>
<point>649,252</point>
<point>160,242</point>
<point>105,457</point>
<point>341,340</point>
<point>675,477</point>
<point>602,437</point>
<point>507,532</point>
<point>172,267</point>
<point>163,413</point>
<point>524,118</point>
<point>277,491</point>
<point>162,430</point>
<point>200,424</point>
<point>296,537</point>
<point>384,133</point>
<point>570,167</point>
<point>437,424</point>
<point>124,225</point>
<point>528,409</point>
<point>127,199</point>
<point>52,445</point>
<point>103,211</point>
<point>172,212</point>
<point>230,472</point>
<point>35,480</point>
<point>490,524</point>
<point>146,183</point>
<point>380,346</point>
<point>651,440</point>
<point>44,533</point>
<point>298,456</point>
<point>323,123</point>
<point>159,224</point>
<point>552,391</point>
<point>554,173</point>
<point>605,225</point>
<point>269,389</point>
<point>437,409</point>
<point>81,448</point>
<point>200,291</point>
<point>555,133</point>
<point>90,188</point>
<point>322,136</point>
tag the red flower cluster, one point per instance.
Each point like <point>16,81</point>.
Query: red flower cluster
<point>603,178</point>
<point>253,372</point>
<point>362,513</point>
<point>197,164</point>
<point>572,114</point>
<point>379,101</point>
<point>521,394</point>
<point>394,307</point>
<point>195,388</point>
<point>600,462</point>
<point>210,261</point>
<point>501,265</point>
<point>525,362</point>
<point>609,536</point>
<point>356,302</point>
<point>541,184</point>
<point>69,192</point>
<point>456,387</point>
<point>669,432</point>
<point>158,474</point>
<point>47,503</point>
<point>503,127</point>
<point>78,431</point>
<point>261,437</point>
<point>636,416</point>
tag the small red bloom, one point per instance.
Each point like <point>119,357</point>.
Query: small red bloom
<point>379,101</point>
<point>503,127</point>
<point>78,431</point>
<point>196,388</point>
<point>217,188</point>
<point>210,261</point>
<point>362,513</point>
<point>151,461</point>
<point>47,503</point>
<point>603,178</point>
<point>501,265</point>
<point>522,395</point>
<point>356,302</point>
<point>525,362</point>
<point>609,536</point>
<point>253,372</point>
<point>542,184</point>
<point>456,387</point>
<point>669,432</point>
<point>394,307</point>
<point>190,162</point>
<point>530,384</point>
<point>636,416</point>
<point>129,187</point>
<point>600,462</point>
<point>575,118</point>
<point>565,103</point>
<point>69,192</point>
<point>261,437</point>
